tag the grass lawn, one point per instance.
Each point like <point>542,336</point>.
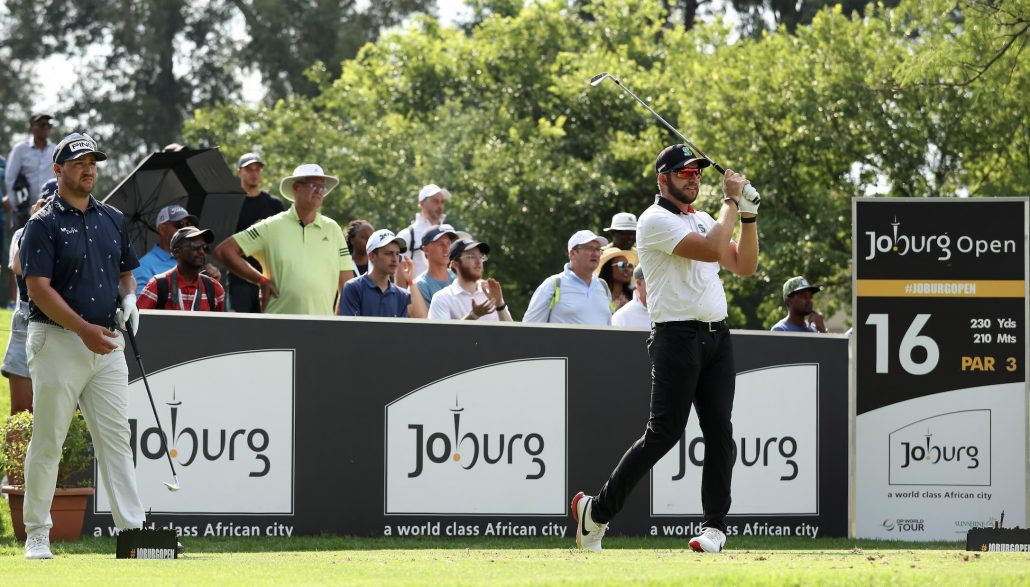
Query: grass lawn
<point>483,561</point>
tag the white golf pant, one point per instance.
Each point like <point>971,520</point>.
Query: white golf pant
<point>66,373</point>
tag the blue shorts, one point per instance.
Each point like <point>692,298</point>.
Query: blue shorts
<point>16,360</point>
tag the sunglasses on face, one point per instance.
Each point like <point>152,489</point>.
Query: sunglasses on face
<point>196,246</point>
<point>687,173</point>
<point>622,265</point>
<point>315,187</point>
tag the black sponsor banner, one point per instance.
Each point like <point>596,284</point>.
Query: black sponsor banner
<point>940,299</point>
<point>282,426</point>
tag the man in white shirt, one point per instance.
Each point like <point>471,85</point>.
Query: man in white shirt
<point>470,297</point>
<point>576,295</point>
<point>430,204</point>
<point>33,158</point>
<point>681,251</point>
<point>634,313</point>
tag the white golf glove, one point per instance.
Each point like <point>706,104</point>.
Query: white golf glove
<point>749,200</point>
<point>127,315</point>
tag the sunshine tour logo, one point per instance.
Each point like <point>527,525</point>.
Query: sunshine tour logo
<point>938,245</point>
<point>472,448</point>
<point>933,453</point>
<point>189,443</point>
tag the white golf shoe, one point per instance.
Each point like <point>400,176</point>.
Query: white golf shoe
<point>37,546</point>
<point>710,540</point>
<point>588,532</point>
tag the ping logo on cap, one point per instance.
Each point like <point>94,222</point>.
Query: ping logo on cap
<point>83,145</point>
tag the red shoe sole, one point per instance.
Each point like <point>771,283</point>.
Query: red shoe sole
<point>575,514</point>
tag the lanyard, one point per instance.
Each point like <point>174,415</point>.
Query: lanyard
<point>178,292</point>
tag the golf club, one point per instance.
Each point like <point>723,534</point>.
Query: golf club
<point>174,485</point>
<point>749,190</point>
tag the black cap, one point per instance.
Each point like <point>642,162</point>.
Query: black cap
<point>433,234</point>
<point>39,116</point>
<point>460,246</point>
<point>76,145</point>
<point>676,157</point>
<point>188,232</point>
<point>48,189</point>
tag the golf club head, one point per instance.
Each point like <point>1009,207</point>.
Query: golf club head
<point>174,486</point>
<point>597,79</point>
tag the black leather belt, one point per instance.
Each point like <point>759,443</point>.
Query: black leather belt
<point>700,325</point>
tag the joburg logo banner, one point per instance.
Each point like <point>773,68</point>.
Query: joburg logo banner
<point>946,449</point>
<point>776,424</point>
<point>491,440</point>
<point>229,423</point>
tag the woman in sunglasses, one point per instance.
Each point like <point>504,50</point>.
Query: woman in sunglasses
<point>616,270</point>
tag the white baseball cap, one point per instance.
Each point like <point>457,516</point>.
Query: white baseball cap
<point>431,190</point>
<point>623,221</point>
<point>303,171</point>
<point>586,236</point>
<point>383,237</point>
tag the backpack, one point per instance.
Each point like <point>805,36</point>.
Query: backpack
<point>167,280</point>
<point>557,293</point>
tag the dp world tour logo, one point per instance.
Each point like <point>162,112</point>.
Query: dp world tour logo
<point>490,440</point>
<point>221,434</point>
<point>887,524</point>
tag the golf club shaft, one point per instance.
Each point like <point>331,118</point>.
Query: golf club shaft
<point>748,189</point>
<point>150,396</point>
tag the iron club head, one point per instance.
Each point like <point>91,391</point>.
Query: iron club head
<point>174,486</point>
<point>599,78</point>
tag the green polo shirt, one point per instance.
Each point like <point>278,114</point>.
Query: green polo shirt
<point>304,261</point>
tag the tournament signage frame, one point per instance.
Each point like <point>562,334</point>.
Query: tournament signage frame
<point>940,291</point>
<point>287,425</point>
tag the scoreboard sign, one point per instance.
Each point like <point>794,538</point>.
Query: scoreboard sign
<point>940,380</point>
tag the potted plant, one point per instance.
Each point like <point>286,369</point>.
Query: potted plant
<point>74,475</point>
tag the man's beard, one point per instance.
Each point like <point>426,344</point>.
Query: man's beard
<point>680,195</point>
<point>468,274</point>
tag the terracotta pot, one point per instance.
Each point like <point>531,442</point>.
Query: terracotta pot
<point>67,511</point>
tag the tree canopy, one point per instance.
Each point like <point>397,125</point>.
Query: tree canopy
<point>847,106</point>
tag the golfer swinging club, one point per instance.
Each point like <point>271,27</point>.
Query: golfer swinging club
<point>691,353</point>
<point>78,262</point>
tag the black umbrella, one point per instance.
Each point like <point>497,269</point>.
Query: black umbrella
<point>196,179</point>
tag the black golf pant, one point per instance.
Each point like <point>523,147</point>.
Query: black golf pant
<point>690,364</point>
<point>244,296</point>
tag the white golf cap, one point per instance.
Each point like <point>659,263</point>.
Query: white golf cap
<point>305,171</point>
<point>623,221</point>
<point>383,237</point>
<point>431,190</point>
<point>586,236</point>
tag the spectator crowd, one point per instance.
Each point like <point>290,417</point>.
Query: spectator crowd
<point>286,257</point>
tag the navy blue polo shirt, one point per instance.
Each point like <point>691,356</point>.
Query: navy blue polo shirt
<point>362,297</point>
<point>83,254</point>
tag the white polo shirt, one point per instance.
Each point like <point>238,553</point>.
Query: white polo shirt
<point>454,303</point>
<point>632,315</point>
<point>678,288</point>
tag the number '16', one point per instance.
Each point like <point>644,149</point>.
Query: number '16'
<point>911,341</point>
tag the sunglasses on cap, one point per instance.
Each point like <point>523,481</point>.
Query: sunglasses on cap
<point>687,173</point>
<point>194,245</point>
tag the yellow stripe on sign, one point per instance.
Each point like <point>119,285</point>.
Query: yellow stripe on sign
<point>940,288</point>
